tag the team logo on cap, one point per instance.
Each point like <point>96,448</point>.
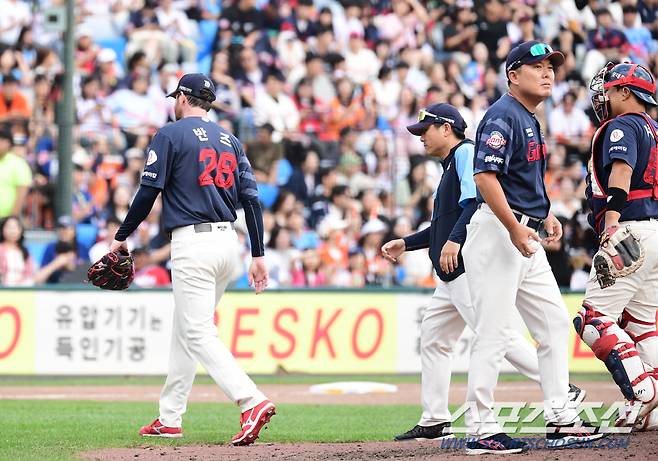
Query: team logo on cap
<point>616,135</point>
<point>206,83</point>
<point>152,158</point>
<point>496,140</point>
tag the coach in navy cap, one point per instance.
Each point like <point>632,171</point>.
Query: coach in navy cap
<point>531,52</point>
<point>438,113</point>
<point>197,85</point>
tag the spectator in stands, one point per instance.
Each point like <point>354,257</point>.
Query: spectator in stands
<point>143,32</point>
<point>319,207</point>
<point>227,104</point>
<point>148,275</point>
<point>249,75</point>
<point>16,265</point>
<point>65,234</point>
<point>605,43</point>
<point>179,31</point>
<point>303,20</point>
<point>378,272</point>
<point>492,31</point>
<point>102,247</point>
<point>135,114</point>
<point>83,207</point>
<point>280,256</point>
<point>72,272</point>
<point>275,107</point>
<point>86,52</point>
<point>460,33</point>
<point>243,19</point>
<point>108,71</point>
<point>334,247</point>
<point>345,110</point>
<point>310,109</point>
<point>13,104</point>
<point>15,177</point>
<point>264,155</point>
<point>361,62</point>
<point>648,10</point>
<point>93,115</point>
<point>571,127</point>
<point>16,14</point>
<point>308,271</point>
<point>387,91</point>
<point>303,179</point>
<point>639,37</point>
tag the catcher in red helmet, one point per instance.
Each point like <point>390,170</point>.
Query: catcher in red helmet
<point>618,317</point>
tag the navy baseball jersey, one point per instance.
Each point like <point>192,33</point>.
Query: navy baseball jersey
<point>630,139</point>
<point>202,171</point>
<point>509,141</point>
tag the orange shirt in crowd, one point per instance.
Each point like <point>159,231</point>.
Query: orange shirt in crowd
<point>17,107</point>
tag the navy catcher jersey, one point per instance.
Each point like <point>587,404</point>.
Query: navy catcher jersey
<point>202,171</point>
<point>627,138</point>
<point>510,142</point>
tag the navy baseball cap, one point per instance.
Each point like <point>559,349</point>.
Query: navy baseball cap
<point>197,85</point>
<point>437,113</point>
<point>531,52</point>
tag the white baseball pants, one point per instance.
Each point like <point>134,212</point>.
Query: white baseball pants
<point>448,312</point>
<point>500,278</point>
<point>637,293</point>
<point>201,267</point>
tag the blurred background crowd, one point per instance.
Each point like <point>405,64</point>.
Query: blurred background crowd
<point>319,92</point>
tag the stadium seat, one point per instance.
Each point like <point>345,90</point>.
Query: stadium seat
<point>117,44</point>
<point>284,170</point>
<point>86,235</point>
<point>267,193</point>
<point>207,32</point>
<point>36,250</point>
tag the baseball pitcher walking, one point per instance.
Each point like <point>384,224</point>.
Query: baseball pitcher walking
<point>202,172</point>
<point>505,264</point>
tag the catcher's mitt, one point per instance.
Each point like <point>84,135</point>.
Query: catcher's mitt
<point>114,271</point>
<point>620,253</point>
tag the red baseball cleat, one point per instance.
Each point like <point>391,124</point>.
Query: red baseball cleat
<point>157,429</point>
<point>252,421</point>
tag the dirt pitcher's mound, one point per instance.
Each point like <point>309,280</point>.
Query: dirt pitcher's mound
<point>635,447</point>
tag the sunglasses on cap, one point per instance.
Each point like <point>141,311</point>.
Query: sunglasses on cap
<point>423,115</point>
<point>538,49</point>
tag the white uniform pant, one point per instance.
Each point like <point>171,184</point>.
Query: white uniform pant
<point>637,293</point>
<point>201,266</point>
<point>449,311</point>
<point>500,278</point>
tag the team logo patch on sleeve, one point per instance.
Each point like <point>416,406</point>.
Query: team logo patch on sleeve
<point>152,158</point>
<point>496,140</point>
<point>616,135</point>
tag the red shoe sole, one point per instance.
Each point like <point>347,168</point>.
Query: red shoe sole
<point>251,436</point>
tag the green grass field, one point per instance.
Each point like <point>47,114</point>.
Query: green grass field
<point>56,430</point>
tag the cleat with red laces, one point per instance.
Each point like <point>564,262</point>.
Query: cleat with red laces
<point>157,429</point>
<point>252,421</point>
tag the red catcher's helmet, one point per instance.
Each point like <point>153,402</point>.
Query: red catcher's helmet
<point>632,76</point>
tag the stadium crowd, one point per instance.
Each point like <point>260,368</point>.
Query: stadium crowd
<point>320,93</point>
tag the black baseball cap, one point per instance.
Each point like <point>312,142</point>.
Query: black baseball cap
<point>438,113</point>
<point>531,52</point>
<point>197,85</point>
